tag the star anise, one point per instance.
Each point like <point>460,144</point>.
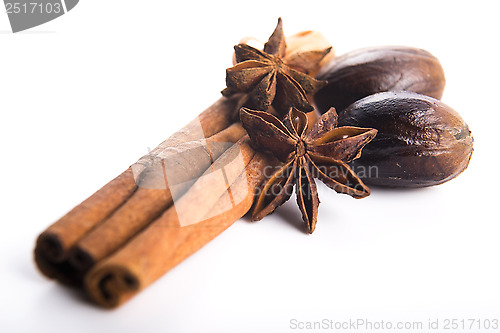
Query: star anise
<point>270,78</point>
<point>320,153</point>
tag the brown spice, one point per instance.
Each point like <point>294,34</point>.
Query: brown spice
<point>146,204</point>
<point>301,49</point>
<point>271,79</point>
<point>321,153</point>
<point>429,144</point>
<point>57,242</point>
<point>54,244</point>
<point>360,73</point>
<point>166,242</point>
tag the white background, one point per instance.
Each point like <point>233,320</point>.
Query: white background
<point>82,97</point>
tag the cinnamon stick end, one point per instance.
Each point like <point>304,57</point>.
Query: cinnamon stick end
<point>111,285</point>
<point>81,260</point>
<point>49,245</point>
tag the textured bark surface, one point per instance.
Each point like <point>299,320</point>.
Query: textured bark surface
<point>166,242</point>
<point>54,244</point>
<point>146,204</point>
<point>57,243</point>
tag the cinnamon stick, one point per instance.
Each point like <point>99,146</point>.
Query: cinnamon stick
<point>54,245</point>
<point>196,218</point>
<point>148,203</point>
<point>168,240</point>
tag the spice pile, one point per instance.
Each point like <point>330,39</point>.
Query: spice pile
<point>378,111</point>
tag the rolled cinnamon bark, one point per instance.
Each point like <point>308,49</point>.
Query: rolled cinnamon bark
<point>54,245</point>
<point>216,118</point>
<point>146,204</point>
<point>181,230</point>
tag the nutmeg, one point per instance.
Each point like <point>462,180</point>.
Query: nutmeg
<point>367,71</point>
<point>420,142</point>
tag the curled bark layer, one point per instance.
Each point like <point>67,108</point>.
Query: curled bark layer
<point>57,243</point>
<point>147,203</point>
<point>168,241</point>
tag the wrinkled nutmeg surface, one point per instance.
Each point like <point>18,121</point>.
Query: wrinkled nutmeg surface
<point>367,71</point>
<point>420,142</point>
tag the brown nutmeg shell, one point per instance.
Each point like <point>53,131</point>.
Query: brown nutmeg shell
<point>420,142</point>
<point>367,71</point>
